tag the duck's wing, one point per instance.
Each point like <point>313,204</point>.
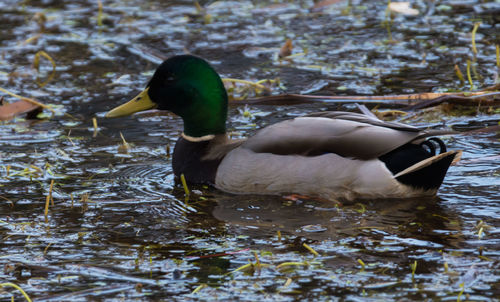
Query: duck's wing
<point>346,134</point>
<point>363,118</point>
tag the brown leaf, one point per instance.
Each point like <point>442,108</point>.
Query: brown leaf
<point>489,129</point>
<point>9,111</point>
<point>323,4</point>
<point>286,49</point>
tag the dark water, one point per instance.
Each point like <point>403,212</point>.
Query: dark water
<point>130,235</point>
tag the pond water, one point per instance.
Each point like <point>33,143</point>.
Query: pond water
<point>120,229</point>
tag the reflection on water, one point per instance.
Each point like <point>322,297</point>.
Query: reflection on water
<point>121,229</point>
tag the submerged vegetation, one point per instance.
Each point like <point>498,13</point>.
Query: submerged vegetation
<point>89,206</point>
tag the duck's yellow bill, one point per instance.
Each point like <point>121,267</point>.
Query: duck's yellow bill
<point>140,103</point>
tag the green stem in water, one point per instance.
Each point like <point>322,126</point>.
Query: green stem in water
<point>469,78</point>
<point>474,30</point>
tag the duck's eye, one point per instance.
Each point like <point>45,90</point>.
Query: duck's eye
<point>169,79</point>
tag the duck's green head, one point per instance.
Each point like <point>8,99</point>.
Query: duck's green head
<point>189,87</point>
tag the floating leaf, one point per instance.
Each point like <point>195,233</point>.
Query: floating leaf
<point>9,111</point>
<point>286,49</point>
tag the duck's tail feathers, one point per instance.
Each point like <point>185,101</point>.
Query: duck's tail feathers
<point>428,174</point>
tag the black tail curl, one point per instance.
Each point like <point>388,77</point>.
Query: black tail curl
<point>431,143</point>
<point>429,177</point>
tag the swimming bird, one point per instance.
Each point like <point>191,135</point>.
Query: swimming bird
<point>333,155</point>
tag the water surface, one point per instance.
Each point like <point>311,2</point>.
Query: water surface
<point>121,229</point>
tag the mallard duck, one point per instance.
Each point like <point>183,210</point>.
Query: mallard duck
<point>333,155</point>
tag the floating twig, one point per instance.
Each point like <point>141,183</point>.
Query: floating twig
<point>50,191</point>
<point>46,210</point>
<point>462,289</point>
<point>257,261</point>
<point>94,124</point>
<point>285,264</point>
<point>387,21</point>
<point>469,78</point>
<point>310,249</point>
<point>413,267</point>
<point>362,208</point>
<point>487,99</point>
<point>36,64</point>
<point>241,268</point>
<point>47,248</point>
<point>480,233</point>
<point>474,30</point>
<point>184,185</point>
<point>246,82</point>
<point>200,287</point>
<point>9,284</point>
<point>401,99</point>
<point>99,13</point>
<point>498,55</point>
<point>362,264</point>
<point>459,74</point>
<point>31,39</point>
<point>124,147</point>
<point>286,284</point>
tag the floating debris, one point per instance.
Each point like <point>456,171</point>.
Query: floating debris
<point>473,37</point>
<point>459,74</point>
<point>286,49</point>
<point>46,210</point>
<point>498,55</point>
<point>36,64</point>
<point>469,77</point>
<point>402,8</point>
<point>184,185</point>
<point>124,147</point>
<point>200,287</point>
<point>9,284</point>
<point>362,264</point>
<point>462,290</point>
<point>11,110</point>
<point>99,13</point>
<point>310,249</point>
<point>413,267</point>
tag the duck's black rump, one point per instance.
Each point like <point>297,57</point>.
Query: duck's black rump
<point>428,175</point>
